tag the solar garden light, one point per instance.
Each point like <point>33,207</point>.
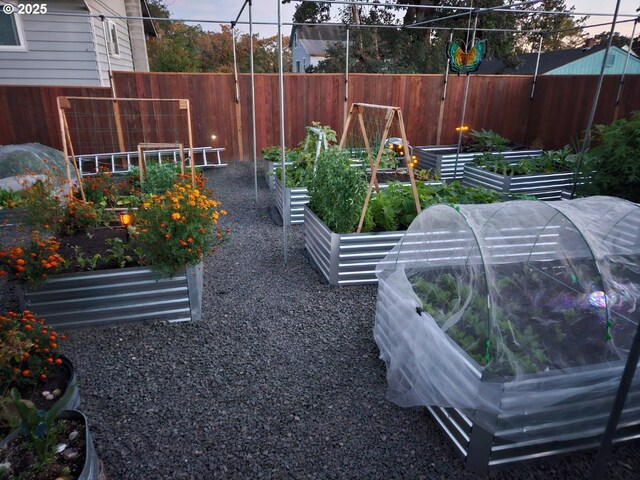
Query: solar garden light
<point>125,220</point>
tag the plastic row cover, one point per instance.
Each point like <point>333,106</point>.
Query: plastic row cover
<point>507,309</point>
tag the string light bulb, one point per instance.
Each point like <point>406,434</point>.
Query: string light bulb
<point>463,128</point>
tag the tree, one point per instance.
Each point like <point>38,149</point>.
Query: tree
<point>311,12</point>
<point>183,48</point>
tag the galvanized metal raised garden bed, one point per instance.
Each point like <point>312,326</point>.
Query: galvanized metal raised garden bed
<point>442,159</point>
<point>269,169</point>
<point>572,425</point>
<point>543,186</point>
<point>345,259</point>
<point>110,297</point>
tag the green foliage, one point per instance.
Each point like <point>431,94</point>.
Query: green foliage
<point>337,190</point>
<point>160,177</point>
<point>38,426</point>
<point>303,157</point>
<point>118,253</point>
<point>82,261</point>
<point>614,162</point>
<point>10,199</point>
<point>552,161</point>
<point>272,154</point>
<point>485,141</point>
<point>394,207</point>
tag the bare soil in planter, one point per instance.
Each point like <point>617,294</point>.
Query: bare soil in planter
<point>91,242</point>
<point>388,177</point>
<point>23,460</point>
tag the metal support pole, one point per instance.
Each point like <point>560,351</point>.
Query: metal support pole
<point>616,411</point>
<point>587,134</point>
<point>464,102</point>
<point>253,104</point>
<point>446,71</point>
<point>346,80</point>
<point>626,61</point>
<point>535,74</point>
<point>285,233</point>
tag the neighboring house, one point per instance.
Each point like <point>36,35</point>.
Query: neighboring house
<point>576,61</point>
<point>54,49</point>
<point>309,44</point>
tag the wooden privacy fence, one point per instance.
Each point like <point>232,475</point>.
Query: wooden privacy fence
<point>557,115</point>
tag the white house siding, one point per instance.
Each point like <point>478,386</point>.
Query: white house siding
<point>59,50</point>
<point>125,60</point>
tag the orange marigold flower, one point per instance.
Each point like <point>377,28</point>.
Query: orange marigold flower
<point>167,236</point>
<point>28,327</point>
<point>26,373</point>
<point>58,361</point>
<point>43,377</point>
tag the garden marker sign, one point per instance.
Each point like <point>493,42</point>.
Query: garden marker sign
<point>376,123</point>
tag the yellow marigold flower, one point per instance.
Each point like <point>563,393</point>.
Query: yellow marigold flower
<point>175,216</point>
<point>223,212</point>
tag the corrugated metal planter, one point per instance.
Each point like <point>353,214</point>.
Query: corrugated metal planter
<point>571,425</point>
<point>297,197</point>
<point>111,297</point>
<point>92,469</point>
<point>442,159</point>
<point>269,169</point>
<point>543,186</point>
<point>292,212</point>
<point>547,430</point>
<point>345,259</point>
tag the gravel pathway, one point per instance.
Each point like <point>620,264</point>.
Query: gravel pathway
<point>281,379</point>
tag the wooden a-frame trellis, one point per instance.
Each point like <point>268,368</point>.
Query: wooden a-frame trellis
<point>391,113</point>
<point>64,104</point>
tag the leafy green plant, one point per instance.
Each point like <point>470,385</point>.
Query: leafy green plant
<point>613,164</point>
<point>485,141</point>
<point>394,208</point>
<point>10,199</point>
<point>160,177</point>
<point>117,253</point>
<point>38,427</point>
<point>337,190</point>
<point>83,262</point>
<point>272,154</point>
<point>552,161</point>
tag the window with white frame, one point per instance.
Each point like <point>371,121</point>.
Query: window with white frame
<point>112,39</point>
<point>11,33</point>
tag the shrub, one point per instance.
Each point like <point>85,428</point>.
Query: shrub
<point>485,141</point>
<point>614,162</point>
<point>177,228</point>
<point>31,264</point>
<point>27,350</point>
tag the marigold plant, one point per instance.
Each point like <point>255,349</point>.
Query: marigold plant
<point>178,228</point>
<point>27,350</point>
<point>32,264</point>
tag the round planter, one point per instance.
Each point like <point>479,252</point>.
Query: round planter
<point>71,403</point>
<point>92,469</point>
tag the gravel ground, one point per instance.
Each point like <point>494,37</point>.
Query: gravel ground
<point>281,378</point>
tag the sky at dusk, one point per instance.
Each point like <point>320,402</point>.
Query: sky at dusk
<point>224,11</point>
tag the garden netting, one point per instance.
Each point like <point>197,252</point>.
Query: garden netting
<point>27,162</point>
<point>508,309</point>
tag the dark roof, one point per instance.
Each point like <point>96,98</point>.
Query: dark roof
<point>316,39</point>
<point>548,61</point>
